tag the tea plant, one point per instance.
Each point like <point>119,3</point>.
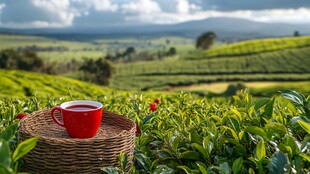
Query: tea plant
<point>198,136</point>
<point>9,160</point>
<point>185,133</point>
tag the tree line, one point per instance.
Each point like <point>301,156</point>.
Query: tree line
<point>97,71</point>
<point>130,54</point>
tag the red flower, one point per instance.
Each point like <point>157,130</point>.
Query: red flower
<point>153,107</point>
<point>20,116</point>
<point>138,131</point>
<point>157,101</point>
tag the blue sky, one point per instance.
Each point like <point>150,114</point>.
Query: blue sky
<point>93,13</point>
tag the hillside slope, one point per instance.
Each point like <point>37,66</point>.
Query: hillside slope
<point>22,83</point>
<point>278,60</point>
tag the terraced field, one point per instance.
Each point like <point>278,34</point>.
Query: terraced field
<point>289,62</point>
<point>254,47</point>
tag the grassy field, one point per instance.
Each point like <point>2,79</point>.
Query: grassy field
<point>94,48</point>
<point>75,50</point>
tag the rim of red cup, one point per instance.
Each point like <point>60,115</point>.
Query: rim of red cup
<point>81,102</point>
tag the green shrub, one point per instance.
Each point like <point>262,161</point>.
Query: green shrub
<point>190,134</point>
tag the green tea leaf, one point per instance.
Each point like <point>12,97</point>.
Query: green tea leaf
<point>186,169</point>
<point>142,161</point>
<point>251,171</point>
<point>5,156</point>
<point>294,96</point>
<point>202,167</point>
<point>191,155</point>
<point>9,132</point>
<point>240,135</point>
<point>196,138</point>
<point>147,118</point>
<point>278,163</point>
<point>24,147</point>
<point>237,165</point>
<point>163,169</point>
<point>202,150</point>
<point>260,103</point>
<point>269,108</point>
<point>304,125</point>
<point>291,107</point>
<point>110,170</point>
<point>233,133</point>
<point>237,113</point>
<point>123,158</point>
<point>289,141</point>
<point>225,168</point>
<point>257,131</point>
<point>5,170</point>
<point>285,149</point>
<point>277,127</point>
<point>206,141</point>
<point>175,142</point>
<point>305,156</point>
<point>260,150</point>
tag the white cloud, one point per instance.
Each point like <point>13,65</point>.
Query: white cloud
<point>141,7</point>
<point>300,15</point>
<point>104,5</point>
<point>59,13</point>
<point>52,13</point>
<point>1,7</point>
<point>98,5</point>
<point>64,13</point>
<point>184,7</point>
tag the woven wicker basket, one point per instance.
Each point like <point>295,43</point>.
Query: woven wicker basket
<point>56,152</point>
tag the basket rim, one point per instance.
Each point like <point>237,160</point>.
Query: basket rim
<point>32,134</point>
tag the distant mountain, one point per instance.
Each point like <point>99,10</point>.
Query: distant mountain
<point>225,28</point>
<point>243,26</point>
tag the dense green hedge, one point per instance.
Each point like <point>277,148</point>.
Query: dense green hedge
<point>189,134</point>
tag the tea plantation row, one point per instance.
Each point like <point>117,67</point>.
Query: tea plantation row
<point>189,134</point>
<point>284,65</point>
<point>255,46</point>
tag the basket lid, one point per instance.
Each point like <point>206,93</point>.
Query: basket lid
<point>40,123</point>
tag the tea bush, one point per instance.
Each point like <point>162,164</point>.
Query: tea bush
<point>190,134</point>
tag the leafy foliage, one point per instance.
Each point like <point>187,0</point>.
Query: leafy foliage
<point>98,71</point>
<point>205,40</point>
<point>190,134</point>
<point>27,60</point>
<point>9,161</point>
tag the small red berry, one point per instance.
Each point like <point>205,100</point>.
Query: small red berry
<point>138,131</point>
<point>20,116</point>
<point>153,107</point>
<point>157,101</point>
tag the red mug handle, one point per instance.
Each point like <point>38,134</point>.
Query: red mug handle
<point>56,108</point>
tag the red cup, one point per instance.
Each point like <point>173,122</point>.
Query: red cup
<point>81,118</point>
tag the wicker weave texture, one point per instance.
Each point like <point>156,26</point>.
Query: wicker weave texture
<point>56,152</point>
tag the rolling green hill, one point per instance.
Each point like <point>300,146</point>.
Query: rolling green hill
<point>281,60</point>
<point>254,47</point>
<point>22,83</point>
